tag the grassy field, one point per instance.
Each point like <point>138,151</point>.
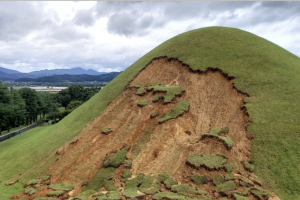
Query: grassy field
<point>267,72</point>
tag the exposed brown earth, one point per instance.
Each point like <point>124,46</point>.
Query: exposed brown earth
<point>157,148</point>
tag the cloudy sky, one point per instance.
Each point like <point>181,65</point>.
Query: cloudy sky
<point>110,36</point>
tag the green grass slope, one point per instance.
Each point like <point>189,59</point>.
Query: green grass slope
<point>267,72</point>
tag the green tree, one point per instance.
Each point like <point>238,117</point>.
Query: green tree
<point>5,106</point>
<point>74,104</point>
<point>31,101</point>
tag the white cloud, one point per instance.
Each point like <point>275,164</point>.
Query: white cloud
<point>110,36</point>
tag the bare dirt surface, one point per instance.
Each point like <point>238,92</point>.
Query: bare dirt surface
<point>214,103</point>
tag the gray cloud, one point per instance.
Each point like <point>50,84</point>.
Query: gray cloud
<point>84,18</point>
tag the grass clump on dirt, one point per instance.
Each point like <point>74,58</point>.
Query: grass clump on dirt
<point>176,111</point>
<point>106,130</point>
<point>55,193</point>
<point>126,173</point>
<point>171,91</point>
<point>246,183</point>
<point>184,189</point>
<point>168,195</point>
<point>199,180</point>
<point>46,177</point>
<point>32,182</point>
<point>215,161</point>
<point>65,187</point>
<point>45,198</point>
<point>141,91</point>
<point>245,191</point>
<point>215,133</point>
<point>227,186</point>
<point>229,167</point>
<point>29,190</point>
<point>260,193</point>
<point>258,181</point>
<point>239,197</point>
<point>109,185</point>
<point>116,159</point>
<point>154,114</point>
<point>229,176</point>
<point>132,187</point>
<point>218,179</point>
<point>147,183</point>
<point>156,98</point>
<point>248,166</point>
<point>142,103</point>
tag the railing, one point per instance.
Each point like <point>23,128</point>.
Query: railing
<point>17,132</point>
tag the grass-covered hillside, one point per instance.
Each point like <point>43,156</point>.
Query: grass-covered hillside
<point>266,72</point>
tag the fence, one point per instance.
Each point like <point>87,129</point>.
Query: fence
<point>17,132</point>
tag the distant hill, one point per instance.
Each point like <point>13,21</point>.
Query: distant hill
<point>12,75</point>
<point>72,78</point>
<point>72,71</point>
<point>8,71</point>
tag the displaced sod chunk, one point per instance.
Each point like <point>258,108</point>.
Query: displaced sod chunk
<point>168,195</point>
<point>245,191</point>
<point>132,186</point>
<point>176,111</point>
<point>113,195</point>
<point>195,139</point>
<point>218,179</point>
<point>215,133</point>
<point>215,161</point>
<point>154,114</point>
<point>171,91</point>
<point>142,103</point>
<point>141,91</point>
<point>46,177</point>
<point>32,182</point>
<point>116,159</point>
<point>199,180</point>
<point>169,182</point>
<point>184,188</point>
<point>229,176</point>
<point>148,84</point>
<point>109,185</point>
<point>225,129</point>
<point>260,193</point>
<point>55,193</point>
<point>156,98</point>
<point>246,183</point>
<point>248,166</point>
<point>229,167</point>
<point>45,198</point>
<point>106,131</point>
<point>202,192</point>
<point>126,173</point>
<point>258,181</point>
<point>238,197</point>
<point>65,187</point>
<point>29,190</point>
<point>227,186</point>
<point>147,183</point>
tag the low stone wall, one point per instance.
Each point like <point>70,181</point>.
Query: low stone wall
<point>17,132</point>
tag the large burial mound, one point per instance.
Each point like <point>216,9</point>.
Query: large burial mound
<point>209,114</point>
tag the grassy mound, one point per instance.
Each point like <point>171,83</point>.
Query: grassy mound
<point>268,73</point>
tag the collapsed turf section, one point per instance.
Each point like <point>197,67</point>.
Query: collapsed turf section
<point>155,129</point>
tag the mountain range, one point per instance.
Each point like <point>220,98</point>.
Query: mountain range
<point>11,75</point>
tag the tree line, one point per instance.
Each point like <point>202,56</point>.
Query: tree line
<point>23,106</point>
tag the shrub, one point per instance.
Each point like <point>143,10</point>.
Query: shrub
<point>74,104</point>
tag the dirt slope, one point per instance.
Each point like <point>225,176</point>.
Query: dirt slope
<point>162,147</point>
